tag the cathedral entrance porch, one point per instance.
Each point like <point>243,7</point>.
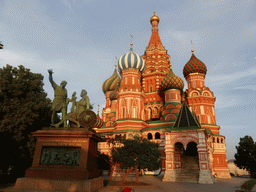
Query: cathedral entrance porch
<point>186,162</point>
<point>186,158</point>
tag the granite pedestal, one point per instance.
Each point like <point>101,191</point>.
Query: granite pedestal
<point>64,159</point>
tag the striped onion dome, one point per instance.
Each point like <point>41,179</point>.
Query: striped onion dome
<point>99,122</point>
<point>172,81</point>
<point>131,60</point>
<point>194,65</point>
<point>111,83</point>
<point>114,94</point>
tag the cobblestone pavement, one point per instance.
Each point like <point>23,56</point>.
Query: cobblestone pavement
<point>221,185</point>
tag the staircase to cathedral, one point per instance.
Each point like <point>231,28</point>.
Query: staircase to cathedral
<point>190,170</point>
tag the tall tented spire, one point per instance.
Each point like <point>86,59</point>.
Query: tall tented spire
<point>155,41</point>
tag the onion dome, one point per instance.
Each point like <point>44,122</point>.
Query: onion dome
<point>131,60</point>
<point>154,18</point>
<point>194,65</point>
<point>99,122</point>
<point>111,83</point>
<point>114,94</point>
<point>172,81</point>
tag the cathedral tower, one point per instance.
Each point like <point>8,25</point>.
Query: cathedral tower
<point>157,67</point>
<point>108,87</point>
<point>200,98</point>
<point>172,86</point>
<point>131,97</point>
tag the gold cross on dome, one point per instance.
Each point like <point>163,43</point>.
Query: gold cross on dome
<point>116,61</point>
<point>192,49</point>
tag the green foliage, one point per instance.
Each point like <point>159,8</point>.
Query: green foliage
<point>249,184</point>
<point>24,108</point>
<point>137,153</point>
<point>246,155</point>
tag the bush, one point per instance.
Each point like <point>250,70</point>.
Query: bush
<point>249,184</point>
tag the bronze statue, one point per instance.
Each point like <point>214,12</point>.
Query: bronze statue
<point>73,100</point>
<point>82,116</point>
<point>60,101</point>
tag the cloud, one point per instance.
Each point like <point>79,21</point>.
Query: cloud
<point>250,30</point>
<point>250,87</point>
<point>67,4</point>
<point>221,80</point>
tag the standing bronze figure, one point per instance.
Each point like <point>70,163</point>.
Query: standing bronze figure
<point>60,101</point>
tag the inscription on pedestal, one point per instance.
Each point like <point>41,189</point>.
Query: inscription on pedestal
<point>60,155</point>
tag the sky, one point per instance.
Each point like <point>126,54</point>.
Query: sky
<point>79,40</point>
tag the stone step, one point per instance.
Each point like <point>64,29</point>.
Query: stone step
<point>194,178</point>
<point>187,180</point>
<point>190,167</point>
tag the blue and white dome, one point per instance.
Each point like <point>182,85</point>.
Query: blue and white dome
<point>131,60</point>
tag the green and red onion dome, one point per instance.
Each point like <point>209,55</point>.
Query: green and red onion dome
<point>194,65</point>
<point>114,94</point>
<point>172,81</point>
<point>111,83</point>
<point>99,122</point>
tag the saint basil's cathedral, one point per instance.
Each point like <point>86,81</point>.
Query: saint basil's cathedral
<point>148,100</point>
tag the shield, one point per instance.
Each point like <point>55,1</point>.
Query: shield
<point>87,119</point>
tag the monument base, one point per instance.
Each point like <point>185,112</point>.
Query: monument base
<point>29,183</point>
<point>64,160</point>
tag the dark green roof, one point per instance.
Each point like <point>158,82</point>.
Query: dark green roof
<point>186,119</point>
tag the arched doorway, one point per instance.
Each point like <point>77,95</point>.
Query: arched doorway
<point>189,163</point>
<point>191,149</point>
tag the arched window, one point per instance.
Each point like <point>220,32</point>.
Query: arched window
<point>150,88</point>
<point>155,111</point>
<point>221,140</point>
<point>213,139</point>
<point>149,113</point>
<point>149,136</point>
<point>123,113</point>
<point>218,141</point>
<point>133,112</point>
<point>157,135</point>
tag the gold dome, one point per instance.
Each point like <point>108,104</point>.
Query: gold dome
<point>154,18</point>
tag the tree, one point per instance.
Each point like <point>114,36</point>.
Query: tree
<point>246,155</point>
<point>136,155</point>
<point>24,108</point>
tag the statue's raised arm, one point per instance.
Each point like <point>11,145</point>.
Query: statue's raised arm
<point>54,85</point>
